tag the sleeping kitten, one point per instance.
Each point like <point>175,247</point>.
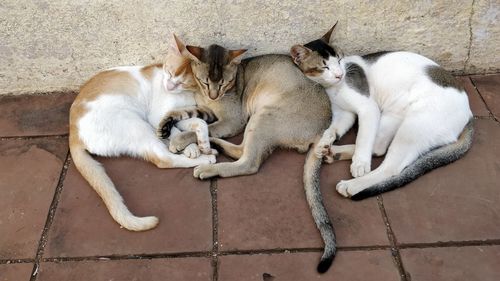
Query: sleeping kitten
<point>117,113</point>
<point>406,104</point>
<point>269,92</point>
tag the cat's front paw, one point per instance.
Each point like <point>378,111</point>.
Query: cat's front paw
<point>192,151</point>
<point>349,188</point>
<point>322,150</point>
<point>203,172</point>
<point>360,167</point>
<point>181,141</point>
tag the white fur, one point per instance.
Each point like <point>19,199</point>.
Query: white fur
<point>406,114</point>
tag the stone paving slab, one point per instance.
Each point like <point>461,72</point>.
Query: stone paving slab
<point>38,115</point>
<point>489,87</point>
<point>477,104</point>
<point>350,265</point>
<point>453,264</point>
<point>15,272</point>
<point>83,227</point>
<point>457,202</point>
<point>29,173</point>
<point>182,269</point>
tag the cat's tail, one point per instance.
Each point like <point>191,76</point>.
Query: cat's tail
<point>95,174</point>
<point>431,160</point>
<point>314,199</point>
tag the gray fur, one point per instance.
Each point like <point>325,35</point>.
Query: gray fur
<point>295,115</point>
<point>431,160</point>
<point>442,77</point>
<point>355,78</point>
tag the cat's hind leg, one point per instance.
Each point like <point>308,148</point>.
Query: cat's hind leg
<point>415,136</point>
<point>387,128</point>
<point>232,150</point>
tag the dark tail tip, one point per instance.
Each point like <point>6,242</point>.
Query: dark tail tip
<point>325,264</point>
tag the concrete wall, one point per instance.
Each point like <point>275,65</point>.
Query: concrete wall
<point>56,45</point>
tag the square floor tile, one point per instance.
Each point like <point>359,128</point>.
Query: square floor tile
<point>269,210</point>
<point>489,88</point>
<point>28,115</point>
<point>476,103</point>
<point>460,201</point>
<point>192,269</point>
<point>29,173</point>
<point>83,227</point>
<point>350,265</point>
<point>453,264</point>
<point>16,272</point>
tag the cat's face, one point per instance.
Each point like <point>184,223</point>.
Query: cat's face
<point>319,61</point>
<point>178,75</point>
<point>214,69</point>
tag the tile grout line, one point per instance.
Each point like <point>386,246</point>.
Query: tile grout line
<point>215,230</point>
<point>50,218</point>
<point>392,240</point>
<point>492,116</point>
<point>32,137</point>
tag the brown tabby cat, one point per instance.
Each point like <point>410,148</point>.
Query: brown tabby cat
<point>283,108</point>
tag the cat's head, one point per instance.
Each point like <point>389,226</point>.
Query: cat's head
<point>214,69</point>
<point>178,74</point>
<point>320,61</point>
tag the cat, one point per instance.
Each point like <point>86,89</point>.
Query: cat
<point>408,107</point>
<point>269,92</point>
<point>117,112</point>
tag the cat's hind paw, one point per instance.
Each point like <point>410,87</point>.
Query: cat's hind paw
<point>192,151</point>
<point>203,172</point>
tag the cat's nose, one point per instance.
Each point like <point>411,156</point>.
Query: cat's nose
<point>339,75</point>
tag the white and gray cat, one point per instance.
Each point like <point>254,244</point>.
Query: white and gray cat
<point>118,112</point>
<point>408,107</point>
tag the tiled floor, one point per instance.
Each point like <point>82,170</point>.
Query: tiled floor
<point>53,226</point>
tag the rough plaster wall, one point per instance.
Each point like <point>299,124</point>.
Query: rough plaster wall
<point>58,44</point>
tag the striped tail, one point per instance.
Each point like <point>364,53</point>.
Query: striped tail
<point>314,199</point>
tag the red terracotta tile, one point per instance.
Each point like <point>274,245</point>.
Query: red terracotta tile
<point>460,201</point>
<point>489,88</point>
<point>15,272</point>
<point>352,266</point>
<point>192,269</point>
<point>269,210</point>
<point>453,264</point>
<point>29,173</point>
<point>476,103</point>
<point>35,115</point>
<point>83,226</point>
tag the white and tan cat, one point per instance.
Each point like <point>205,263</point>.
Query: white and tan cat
<point>118,111</point>
<point>406,104</point>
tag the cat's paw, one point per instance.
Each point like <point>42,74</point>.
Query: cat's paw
<point>322,150</point>
<point>192,151</point>
<point>205,171</point>
<point>360,167</point>
<point>207,159</point>
<point>349,188</point>
<point>342,187</point>
<point>180,142</point>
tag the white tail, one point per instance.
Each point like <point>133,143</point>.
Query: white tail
<point>96,176</point>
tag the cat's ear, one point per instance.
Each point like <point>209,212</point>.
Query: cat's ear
<point>195,52</point>
<point>328,35</point>
<point>299,53</point>
<point>235,56</point>
<point>176,45</point>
